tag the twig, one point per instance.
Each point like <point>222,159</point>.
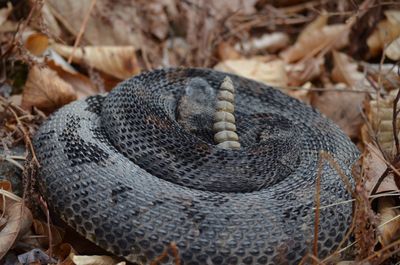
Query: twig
<point>11,160</point>
<point>394,122</point>
<point>47,213</point>
<point>380,253</point>
<point>82,30</point>
<point>325,156</point>
<point>21,127</point>
<point>317,203</point>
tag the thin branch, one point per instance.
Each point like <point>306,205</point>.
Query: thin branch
<point>82,30</point>
<point>394,122</point>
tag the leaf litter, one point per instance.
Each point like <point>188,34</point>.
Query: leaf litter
<point>72,49</point>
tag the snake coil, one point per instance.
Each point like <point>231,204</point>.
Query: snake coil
<point>123,171</point>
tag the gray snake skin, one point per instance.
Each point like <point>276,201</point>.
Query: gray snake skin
<point>123,171</point>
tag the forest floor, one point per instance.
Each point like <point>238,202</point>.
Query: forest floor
<point>341,57</point>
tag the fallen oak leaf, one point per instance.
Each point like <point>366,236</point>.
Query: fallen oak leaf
<point>118,61</point>
<point>45,90</point>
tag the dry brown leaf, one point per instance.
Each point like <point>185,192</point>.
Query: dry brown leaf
<point>45,90</point>
<point>118,61</point>
<point>346,71</point>
<point>317,41</point>
<point>374,166</point>
<point>386,31</point>
<point>19,220</point>
<point>389,225</point>
<point>315,25</point>
<point>109,24</point>
<point>81,84</point>
<point>343,108</point>
<point>380,115</point>
<point>327,38</point>
<point>93,260</point>
<point>271,73</point>
<point>42,229</point>
<point>393,50</point>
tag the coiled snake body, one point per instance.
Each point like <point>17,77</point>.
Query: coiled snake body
<point>133,172</point>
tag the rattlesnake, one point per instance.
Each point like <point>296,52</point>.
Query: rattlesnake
<point>125,173</point>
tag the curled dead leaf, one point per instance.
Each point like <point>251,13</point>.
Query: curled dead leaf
<point>118,61</point>
<point>45,90</point>
<point>271,73</point>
